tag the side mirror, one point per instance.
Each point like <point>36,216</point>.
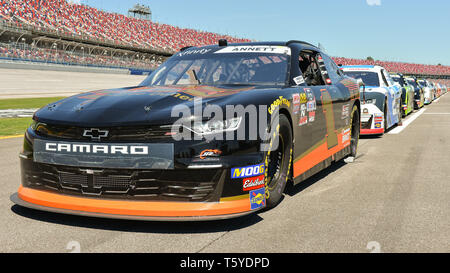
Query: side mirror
<point>361,83</point>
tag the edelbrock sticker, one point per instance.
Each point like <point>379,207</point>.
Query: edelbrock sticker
<point>252,183</point>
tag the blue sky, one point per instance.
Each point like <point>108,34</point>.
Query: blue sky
<point>399,30</point>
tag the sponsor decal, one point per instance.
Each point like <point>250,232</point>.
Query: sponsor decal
<point>345,136</point>
<point>345,111</point>
<point>378,125</point>
<point>248,171</point>
<point>309,94</point>
<point>303,121</point>
<point>277,103</point>
<point>253,183</point>
<point>299,80</point>
<point>193,52</point>
<point>303,98</point>
<point>256,49</point>
<point>311,106</point>
<point>311,116</point>
<point>210,153</point>
<point>303,117</point>
<point>296,102</point>
<point>258,198</point>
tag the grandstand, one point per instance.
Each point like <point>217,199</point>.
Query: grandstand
<point>56,31</point>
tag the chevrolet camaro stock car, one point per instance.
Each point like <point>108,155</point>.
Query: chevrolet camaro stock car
<point>407,101</point>
<point>381,98</point>
<point>168,150</point>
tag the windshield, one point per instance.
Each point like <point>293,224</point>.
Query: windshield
<point>396,79</point>
<point>219,67</point>
<point>422,83</point>
<point>369,78</point>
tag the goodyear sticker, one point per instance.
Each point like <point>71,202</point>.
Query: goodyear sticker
<point>247,171</point>
<point>277,103</point>
<point>377,125</point>
<point>258,198</point>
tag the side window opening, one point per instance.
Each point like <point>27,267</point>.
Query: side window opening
<point>310,69</point>
<point>384,78</point>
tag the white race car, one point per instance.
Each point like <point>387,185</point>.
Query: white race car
<point>381,100</point>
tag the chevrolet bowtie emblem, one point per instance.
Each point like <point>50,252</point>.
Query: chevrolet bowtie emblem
<point>95,134</point>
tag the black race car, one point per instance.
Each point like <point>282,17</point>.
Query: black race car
<point>408,101</point>
<point>215,132</point>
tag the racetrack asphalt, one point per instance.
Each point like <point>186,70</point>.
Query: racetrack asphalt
<point>20,83</point>
<point>394,196</point>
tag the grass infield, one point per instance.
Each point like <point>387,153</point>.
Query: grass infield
<point>17,126</point>
<point>13,126</point>
<point>26,103</point>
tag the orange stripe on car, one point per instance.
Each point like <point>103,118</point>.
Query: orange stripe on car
<point>133,208</point>
<point>318,155</point>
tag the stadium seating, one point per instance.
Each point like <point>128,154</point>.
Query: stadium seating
<point>84,21</point>
<point>407,68</point>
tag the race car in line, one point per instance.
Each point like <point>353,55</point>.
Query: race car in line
<point>380,101</point>
<point>444,89</point>
<point>407,101</point>
<point>440,89</point>
<point>418,92</point>
<point>122,153</point>
<point>428,93</point>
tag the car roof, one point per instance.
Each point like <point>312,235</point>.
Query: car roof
<point>376,68</point>
<point>266,43</point>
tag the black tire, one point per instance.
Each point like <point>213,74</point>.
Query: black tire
<point>354,131</point>
<point>400,115</point>
<point>278,162</point>
<point>385,116</point>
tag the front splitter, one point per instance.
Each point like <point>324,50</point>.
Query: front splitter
<point>131,210</point>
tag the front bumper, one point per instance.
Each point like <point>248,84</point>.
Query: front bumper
<point>134,210</point>
<point>372,131</point>
<point>372,122</point>
<point>195,189</point>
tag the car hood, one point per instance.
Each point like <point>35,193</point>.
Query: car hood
<point>139,105</point>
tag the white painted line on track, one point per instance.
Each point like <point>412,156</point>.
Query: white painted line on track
<point>407,122</point>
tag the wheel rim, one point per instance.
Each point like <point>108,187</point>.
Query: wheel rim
<point>275,164</point>
<point>354,134</point>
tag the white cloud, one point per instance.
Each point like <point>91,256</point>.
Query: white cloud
<point>373,2</point>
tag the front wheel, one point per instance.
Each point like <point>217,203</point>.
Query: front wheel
<point>400,115</point>
<point>278,161</point>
